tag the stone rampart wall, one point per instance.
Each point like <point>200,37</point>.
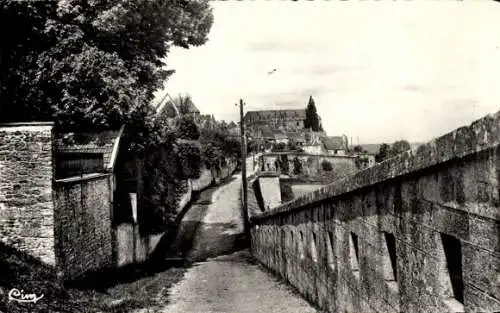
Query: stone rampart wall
<point>417,233</point>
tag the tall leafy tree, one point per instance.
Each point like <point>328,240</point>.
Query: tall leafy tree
<point>383,152</point>
<point>399,146</point>
<point>91,64</point>
<point>184,103</point>
<point>388,151</point>
<point>312,118</point>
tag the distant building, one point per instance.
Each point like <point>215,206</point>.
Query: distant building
<point>275,119</point>
<point>298,138</point>
<point>316,148</point>
<point>335,145</point>
<point>314,138</point>
<point>170,109</point>
<point>280,137</point>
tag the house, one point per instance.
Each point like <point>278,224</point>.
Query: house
<point>314,138</point>
<point>68,180</point>
<point>83,153</point>
<point>280,137</point>
<point>335,145</point>
<point>315,148</point>
<point>171,108</point>
<point>297,138</point>
<point>267,136</point>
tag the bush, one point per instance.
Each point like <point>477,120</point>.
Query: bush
<point>283,164</point>
<point>297,166</point>
<point>189,153</point>
<point>279,147</point>
<point>187,129</point>
<point>327,166</point>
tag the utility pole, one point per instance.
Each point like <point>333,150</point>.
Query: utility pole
<point>244,170</point>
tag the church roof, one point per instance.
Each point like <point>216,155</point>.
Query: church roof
<point>272,114</point>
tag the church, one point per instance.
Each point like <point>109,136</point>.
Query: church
<point>289,120</point>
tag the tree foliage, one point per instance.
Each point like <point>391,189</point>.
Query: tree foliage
<point>383,152</point>
<point>184,103</point>
<point>283,164</point>
<point>359,149</point>
<point>187,128</point>
<point>327,166</point>
<point>90,65</point>
<point>297,166</point>
<point>281,146</point>
<point>312,119</point>
<point>388,151</point>
<point>217,144</point>
<point>399,146</point>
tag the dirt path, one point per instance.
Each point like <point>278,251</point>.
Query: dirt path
<point>231,282</point>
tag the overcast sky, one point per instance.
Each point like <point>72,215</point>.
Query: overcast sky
<point>379,71</point>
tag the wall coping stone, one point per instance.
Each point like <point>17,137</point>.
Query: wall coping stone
<point>480,135</point>
<point>77,179</point>
<point>308,154</point>
<point>14,124</point>
<point>268,174</point>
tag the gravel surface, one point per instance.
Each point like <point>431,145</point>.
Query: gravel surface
<point>232,284</point>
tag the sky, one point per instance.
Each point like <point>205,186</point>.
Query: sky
<point>378,71</point>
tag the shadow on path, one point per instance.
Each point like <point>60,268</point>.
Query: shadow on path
<point>218,236</point>
<point>216,239</point>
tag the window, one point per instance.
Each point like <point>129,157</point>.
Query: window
<point>329,250</point>
<point>301,246</point>
<point>389,258</point>
<point>354,253</point>
<point>314,253</point>
<point>453,254</point>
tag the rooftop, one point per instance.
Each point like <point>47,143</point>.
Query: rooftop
<point>103,142</point>
<point>270,114</point>
<point>334,143</point>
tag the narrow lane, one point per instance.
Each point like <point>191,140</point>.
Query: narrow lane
<point>230,282</point>
<point>221,229</point>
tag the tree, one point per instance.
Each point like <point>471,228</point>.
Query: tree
<point>91,65</point>
<point>383,152</point>
<point>312,118</point>
<point>386,151</point>
<point>297,166</point>
<point>399,146</point>
<point>283,164</point>
<point>281,146</point>
<point>327,166</point>
<point>187,128</point>
<point>358,149</point>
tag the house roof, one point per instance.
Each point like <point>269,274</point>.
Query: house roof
<point>280,135</point>
<point>267,134</point>
<point>167,106</point>
<point>266,115</point>
<point>106,142</point>
<point>333,143</point>
<point>190,107</point>
<point>297,136</point>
